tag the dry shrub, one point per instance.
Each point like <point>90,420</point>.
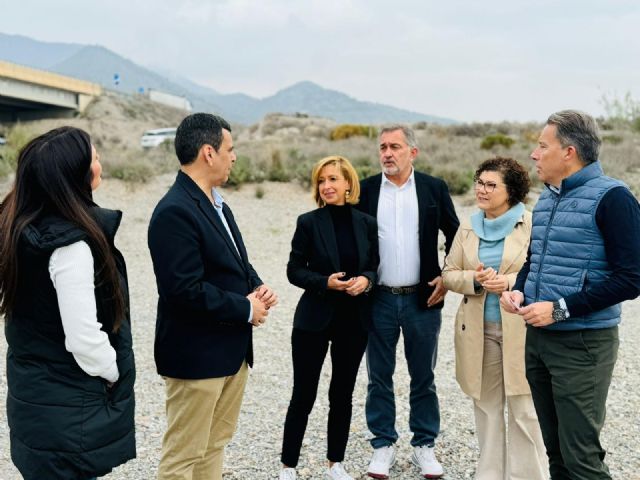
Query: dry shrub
<point>342,132</point>
<point>497,139</point>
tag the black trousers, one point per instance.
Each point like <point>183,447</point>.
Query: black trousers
<point>569,373</point>
<point>348,341</point>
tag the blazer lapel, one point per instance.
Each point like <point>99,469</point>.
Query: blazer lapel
<point>422,206</point>
<point>514,244</point>
<point>374,195</point>
<point>328,236</point>
<point>235,231</point>
<point>470,248</point>
<point>360,233</point>
<point>208,210</point>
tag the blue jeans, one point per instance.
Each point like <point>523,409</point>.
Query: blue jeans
<point>420,329</point>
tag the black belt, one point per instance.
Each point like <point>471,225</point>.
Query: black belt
<point>399,290</point>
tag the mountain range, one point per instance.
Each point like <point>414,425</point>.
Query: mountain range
<point>98,64</point>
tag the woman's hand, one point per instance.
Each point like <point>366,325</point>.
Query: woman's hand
<point>334,282</point>
<point>360,284</point>
<point>497,285</point>
<point>482,275</point>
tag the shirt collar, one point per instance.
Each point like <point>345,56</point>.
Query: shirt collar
<point>410,180</point>
<point>218,201</point>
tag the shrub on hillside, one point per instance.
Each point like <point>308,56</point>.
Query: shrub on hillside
<point>139,171</point>
<point>342,132</point>
<point>242,172</point>
<point>612,139</point>
<point>491,141</point>
<point>277,171</point>
<point>17,137</point>
<point>458,181</point>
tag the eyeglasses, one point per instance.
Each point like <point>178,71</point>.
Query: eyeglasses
<point>488,187</point>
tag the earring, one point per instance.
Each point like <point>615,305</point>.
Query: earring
<point>347,193</point>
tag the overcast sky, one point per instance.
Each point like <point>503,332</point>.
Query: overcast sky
<point>467,60</point>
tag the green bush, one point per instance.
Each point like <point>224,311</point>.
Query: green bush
<point>6,167</point>
<point>342,132</point>
<point>612,139</point>
<point>458,181</point>
<point>277,171</point>
<point>137,171</point>
<point>491,141</point>
<point>241,172</point>
<point>17,137</point>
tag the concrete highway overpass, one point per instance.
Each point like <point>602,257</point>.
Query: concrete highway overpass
<point>27,93</point>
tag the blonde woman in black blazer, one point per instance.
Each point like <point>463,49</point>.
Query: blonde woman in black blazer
<point>334,258</point>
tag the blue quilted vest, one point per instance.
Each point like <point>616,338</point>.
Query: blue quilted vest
<point>567,249</point>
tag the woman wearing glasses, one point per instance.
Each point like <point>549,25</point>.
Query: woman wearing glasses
<point>487,253</point>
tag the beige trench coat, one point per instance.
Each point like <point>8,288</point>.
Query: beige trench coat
<point>460,265</point>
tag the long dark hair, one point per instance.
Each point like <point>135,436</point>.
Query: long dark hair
<point>54,176</point>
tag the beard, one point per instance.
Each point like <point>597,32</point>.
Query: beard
<point>391,170</point>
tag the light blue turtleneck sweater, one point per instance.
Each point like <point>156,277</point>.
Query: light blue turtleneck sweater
<point>492,233</point>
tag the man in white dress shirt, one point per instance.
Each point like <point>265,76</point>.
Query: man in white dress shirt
<point>411,207</point>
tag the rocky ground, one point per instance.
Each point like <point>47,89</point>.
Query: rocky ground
<point>267,225</point>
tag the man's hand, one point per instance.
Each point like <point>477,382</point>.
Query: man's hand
<point>438,292</point>
<point>334,282</point>
<point>260,310</point>
<point>511,301</point>
<point>359,285</point>
<point>267,295</point>
<point>497,285</point>
<point>538,314</point>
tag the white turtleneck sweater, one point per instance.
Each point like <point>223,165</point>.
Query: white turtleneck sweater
<point>71,271</point>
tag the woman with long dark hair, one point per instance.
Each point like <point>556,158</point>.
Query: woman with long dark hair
<point>63,291</point>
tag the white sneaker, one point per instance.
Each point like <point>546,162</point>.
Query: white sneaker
<point>337,472</point>
<point>382,460</point>
<point>425,458</point>
<point>288,474</point>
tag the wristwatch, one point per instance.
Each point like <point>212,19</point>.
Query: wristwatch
<point>559,314</point>
<point>369,287</point>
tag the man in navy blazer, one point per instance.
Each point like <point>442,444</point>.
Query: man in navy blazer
<point>411,209</point>
<point>210,299</point>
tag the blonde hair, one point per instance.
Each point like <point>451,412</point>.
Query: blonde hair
<point>347,170</point>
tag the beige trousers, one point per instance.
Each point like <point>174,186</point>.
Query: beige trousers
<point>201,418</point>
<point>511,450</point>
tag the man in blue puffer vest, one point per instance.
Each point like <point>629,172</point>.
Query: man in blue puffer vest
<point>584,260</point>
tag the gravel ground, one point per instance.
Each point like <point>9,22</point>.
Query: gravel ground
<point>267,225</point>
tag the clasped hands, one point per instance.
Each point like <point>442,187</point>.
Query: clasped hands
<point>262,299</point>
<point>353,286</point>
<point>490,280</point>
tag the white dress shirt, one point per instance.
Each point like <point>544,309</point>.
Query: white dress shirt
<point>218,202</point>
<point>398,234</point>
<point>71,271</point>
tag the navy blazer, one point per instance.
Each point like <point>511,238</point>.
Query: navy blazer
<point>436,213</point>
<point>314,256</point>
<point>202,325</point>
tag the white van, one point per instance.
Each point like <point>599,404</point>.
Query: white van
<point>153,138</point>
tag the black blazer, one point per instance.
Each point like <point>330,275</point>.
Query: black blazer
<point>314,256</point>
<point>436,212</point>
<point>202,326</point>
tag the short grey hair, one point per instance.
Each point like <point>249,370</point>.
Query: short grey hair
<point>579,130</point>
<point>409,134</point>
